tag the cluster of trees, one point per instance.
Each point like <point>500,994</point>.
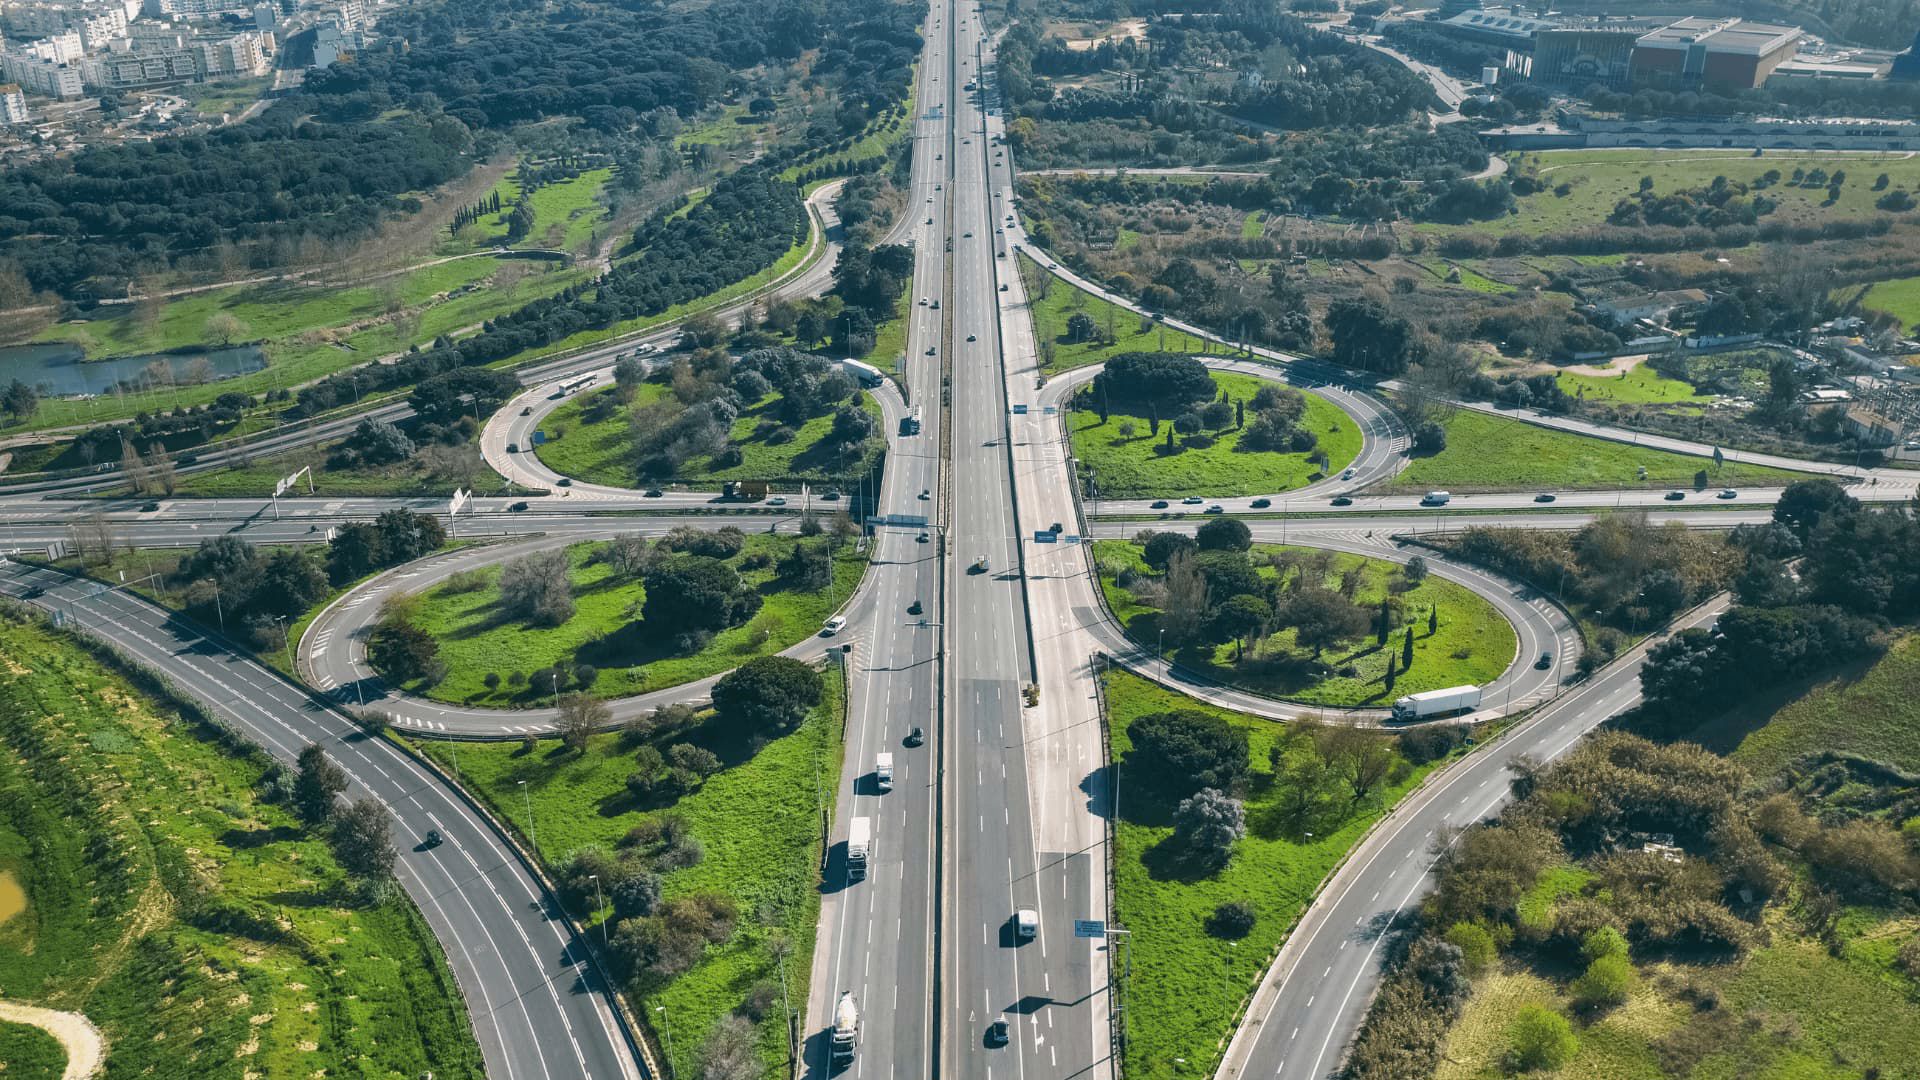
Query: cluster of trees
<point>1818,838</point>
<point>360,832</point>
<point>185,425</point>
<point>230,583</point>
<point>1853,569</point>
<point>397,536</point>
<point>1627,573</point>
<point>1210,591</point>
<point>745,225</point>
<point>1721,203</point>
<point>247,196</point>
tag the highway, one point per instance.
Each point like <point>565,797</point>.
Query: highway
<point>539,1010</point>
<point>1316,995</point>
<point>876,935</point>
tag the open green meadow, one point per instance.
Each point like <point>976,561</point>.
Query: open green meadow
<point>1139,465</point>
<point>1636,385</point>
<point>1495,453</point>
<point>1062,301</point>
<point>1474,643</point>
<point>1899,298</point>
<point>1187,982</point>
<point>758,818</point>
<point>606,629</point>
<point>1601,178</point>
<point>198,925</point>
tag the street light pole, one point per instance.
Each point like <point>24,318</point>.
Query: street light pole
<point>599,902</point>
<point>666,1025</point>
<point>533,830</point>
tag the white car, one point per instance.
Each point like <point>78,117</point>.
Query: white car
<point>833,626</point>
<point>1026,923</point>
<point>923,301</point>
<point>1348,475</point>
<point>777,500</point>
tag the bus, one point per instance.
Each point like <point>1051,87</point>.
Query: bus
<point>580,383</point>
<point>910,423</point>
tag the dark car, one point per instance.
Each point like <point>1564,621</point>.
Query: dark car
<point>519,506</point>
<point>1676,496</point>
<point>432,839</point>
<point>1261,504</point>
<point>513,448</point>
<point>1545,496</point>
<point>971,337</point>
<point>1545,661</point>
<point>528,411</point>
<point>565,481</point>
<point>1058,528</point>
<point>832,494</point>
<point>1342,500</point>
<point>997,1033</point>
<point>149,507</point>
<point>915,737</point>
<point>1159,504</point>
<point>654,493</point>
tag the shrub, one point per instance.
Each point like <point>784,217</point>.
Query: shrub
<point>1540,1039</point>
<point>1476,945</point>
<point>1607,981</point>
<point>1232,920</point>
<point>1602,942</point>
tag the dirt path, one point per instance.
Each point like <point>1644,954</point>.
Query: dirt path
<point>86,1049</point>
<point>1617,368</point>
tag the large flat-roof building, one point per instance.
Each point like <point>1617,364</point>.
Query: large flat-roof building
<point>1701,53</point>
<point>1581,53</point>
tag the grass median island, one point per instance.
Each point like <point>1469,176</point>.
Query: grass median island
<point>195,922</point>
<point>1495,453</point>
<point>1129,462</point>
<point>757,819</point>
<point>1188,979</point>
<point>607,631</point>
<point>30,1053</point>
<point>1053,301</point>
<point>594,440</point>
<point>1473,643</point>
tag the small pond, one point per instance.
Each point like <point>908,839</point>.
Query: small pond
<point>60,370</point>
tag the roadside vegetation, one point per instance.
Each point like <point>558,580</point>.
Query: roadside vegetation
<point>1106,332</point>
<point>176,897</point>
<point>1494,453</point>
<point>776,415</point>
<point>613,618</point>
<point>1658,909</point>
<point>31,1053</point>
<point>704,830</point>
<point>1227,827</point>
<point>1161,425</point>
<point>1300,624</point>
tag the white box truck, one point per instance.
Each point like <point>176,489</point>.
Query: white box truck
<point>846,1030</point>
<point>1437,498</point>
<point>1452,701</point>
<point>859,847</point>
<point>883,772</point>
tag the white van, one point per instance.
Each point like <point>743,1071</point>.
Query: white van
<point>883,772</point>
<point>1026,923</point>
<point>833,626</point>
<point>1437,498</point>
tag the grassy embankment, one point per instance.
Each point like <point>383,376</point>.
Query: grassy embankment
<point>602,452</point>
<point>1187,982</point>
<point>1601,178</point>
<point>1139,466</point>
<point>1495,453</point>
<point>1474,644</point>
<point>606,629</point>
<point>758,819</point>
<point>1636,385</point>
<point>201,927</point>
<point>1062,301</point>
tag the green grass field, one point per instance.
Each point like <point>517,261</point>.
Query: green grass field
<point>1899,298</point>
<point>1494,453</point>
<point>1871,708</point>
<point>1474,643</point>
<point>602,452</point>
<point>1187,982</point>
<point>202,929</point>
<point>1637,385</point>
<point>759,819</point>
<point>308,332</point>
<point>607,632</point>
<point>1601,178</point>
<point>1062,301</point>
<point>28,1053</point>
<point>257,478</point>
<point>1140,467</point>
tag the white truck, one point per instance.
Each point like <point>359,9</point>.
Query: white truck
<point>846,1030</point>
<point>1452,701</point>
<point>1436,498</point>
<point>883,772</point>
<point>859,847</point>
<point>863,373</point>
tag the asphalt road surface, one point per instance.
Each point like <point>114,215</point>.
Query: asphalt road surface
<point>538,1009</point>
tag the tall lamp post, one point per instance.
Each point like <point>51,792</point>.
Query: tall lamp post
<point>666,1025</point>
<point>533,830</point>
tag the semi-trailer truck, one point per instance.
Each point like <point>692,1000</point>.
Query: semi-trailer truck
<point>1452,701</point>
<point>863,373</point>
<point>859,846</point>
<point>846,1030</point>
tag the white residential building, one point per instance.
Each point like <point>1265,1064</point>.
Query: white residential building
<point>13,104</point>
<point>37,75</point>
<point>61,48</point>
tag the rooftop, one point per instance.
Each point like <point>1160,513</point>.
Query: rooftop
<point>1499,22</point>
<point>1736,36</point>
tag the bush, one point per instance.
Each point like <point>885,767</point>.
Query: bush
<point>1608,981</point>
<point>1540,1039</point>
<point>1602,942</point>
<point>1232,920</point>
<point>1476,945</point>
<point>1179,753</point>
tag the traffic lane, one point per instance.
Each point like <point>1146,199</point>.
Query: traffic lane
<point>1326,974</point>
<point>1457,503</point>
<point>520,970</point>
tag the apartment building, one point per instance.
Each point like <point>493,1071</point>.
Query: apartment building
<point>13,105</point>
